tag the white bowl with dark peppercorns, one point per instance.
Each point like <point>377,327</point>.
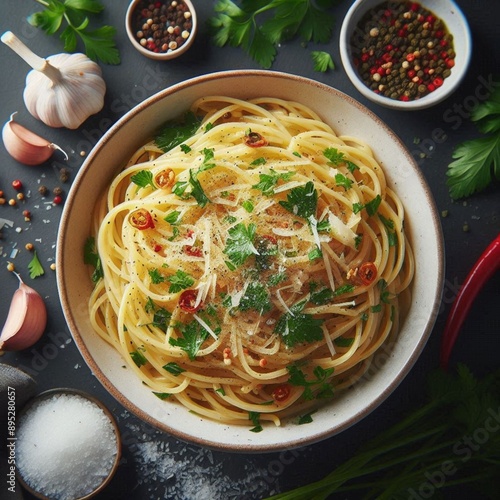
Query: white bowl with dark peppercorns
<point>405,55</point>
<point>162,29</point>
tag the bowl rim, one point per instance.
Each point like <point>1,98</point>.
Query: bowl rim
<point>89,397</point>
<point>211,441</point>
<point>160,56</point>
<point>358,8</point>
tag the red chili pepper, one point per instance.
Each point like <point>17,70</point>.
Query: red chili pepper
<point>255,140</point>
<point>487,264</point>
<point>141,219</point>
<point>193,251</point>
<point>165,178</point>
<point>187,301</point>
<point>367,273</point>
<point>281,393</point>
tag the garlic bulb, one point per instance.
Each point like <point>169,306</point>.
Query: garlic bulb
<point>26,320</point>
<point>25,146</point>
<point>62,90</point>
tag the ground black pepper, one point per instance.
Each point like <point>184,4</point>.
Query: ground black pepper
<point>162,26</point>
<point>402,50</point>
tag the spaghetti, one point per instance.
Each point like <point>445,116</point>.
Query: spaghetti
<point>255,268</point>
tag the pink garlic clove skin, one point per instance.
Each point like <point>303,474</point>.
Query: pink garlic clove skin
<point>26,320</point>
<point>25,146</point>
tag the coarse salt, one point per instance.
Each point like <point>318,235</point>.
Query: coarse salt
<point>66,446</point>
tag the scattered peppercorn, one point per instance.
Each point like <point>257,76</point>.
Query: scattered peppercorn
<point>53,266</point>
<point>162,26</point>
<point>20,196</point>
<point>43,190</point>
<point>29,246</point>
<point>64,175</point>
<point>57,200</point>
<point>12,202</point>
<point>3,201</point>
<point>17,185</point>
<point>27,215</point>
<point>11,267</point>
<point>57,191</point>
<point>402,50</point>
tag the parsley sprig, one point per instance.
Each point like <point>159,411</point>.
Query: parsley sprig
<point>91,257</point>
<point>239,245</point>
<point>316,388</point>
<point>440,431</point>
<point>99,43</point>
<point>477,162</point>
<point>295,327</point>
<point>192,338</point>
<point>238,26</point>
<point>193,187</point>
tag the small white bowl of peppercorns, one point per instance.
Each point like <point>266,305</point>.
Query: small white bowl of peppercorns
<point>161,29</point>
<point>405,55</point>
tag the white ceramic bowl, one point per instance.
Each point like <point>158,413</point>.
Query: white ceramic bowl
<point>346,116</point>
<point>457,25</point>
<point>159,56</point>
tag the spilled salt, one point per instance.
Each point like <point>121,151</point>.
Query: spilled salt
<point>66,446</point>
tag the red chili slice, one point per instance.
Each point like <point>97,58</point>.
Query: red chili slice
<point>255,140</point>
<point>141,219</point>
<point>193,251</point>
<point>165,178</point>
<point>367,273</point>
<point>187,301</point>
<point>281,393</point>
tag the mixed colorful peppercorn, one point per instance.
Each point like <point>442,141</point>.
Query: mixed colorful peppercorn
<point>402,50</point>
<point>162,26</point>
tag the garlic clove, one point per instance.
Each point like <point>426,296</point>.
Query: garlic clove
<point>62,90</point>
<point>26,320</point>
<point>25,146</point>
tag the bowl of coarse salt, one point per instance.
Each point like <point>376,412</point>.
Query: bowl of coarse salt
<point>68,445</point>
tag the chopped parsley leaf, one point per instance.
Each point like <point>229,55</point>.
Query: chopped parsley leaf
<point>193,336</point>
<point>172,217</point>
<point>343,341</point>
<point>138,358</point>
<point>307,418</point>
<point>186,189</point>
<point>143,178</point>
<point>256,297</point>
<point>343,289</point>
<point>302,201</point>
<point>258,162</point>
<point>177,131</point>
<point>389,227</point>
<point>156,276</point>
<point>91,257</point>
<point>254,417</point>
<point>343,181</point>
<point>371,207</point>
<point>336,157</point>
<point>317,388</point>
<point>179,281</point>
<point>173,368</point>
<point>248,206</point>
<point>267,182</point>
<point>162,395</point>
<point>239,245</point>
<point>296,327</point>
